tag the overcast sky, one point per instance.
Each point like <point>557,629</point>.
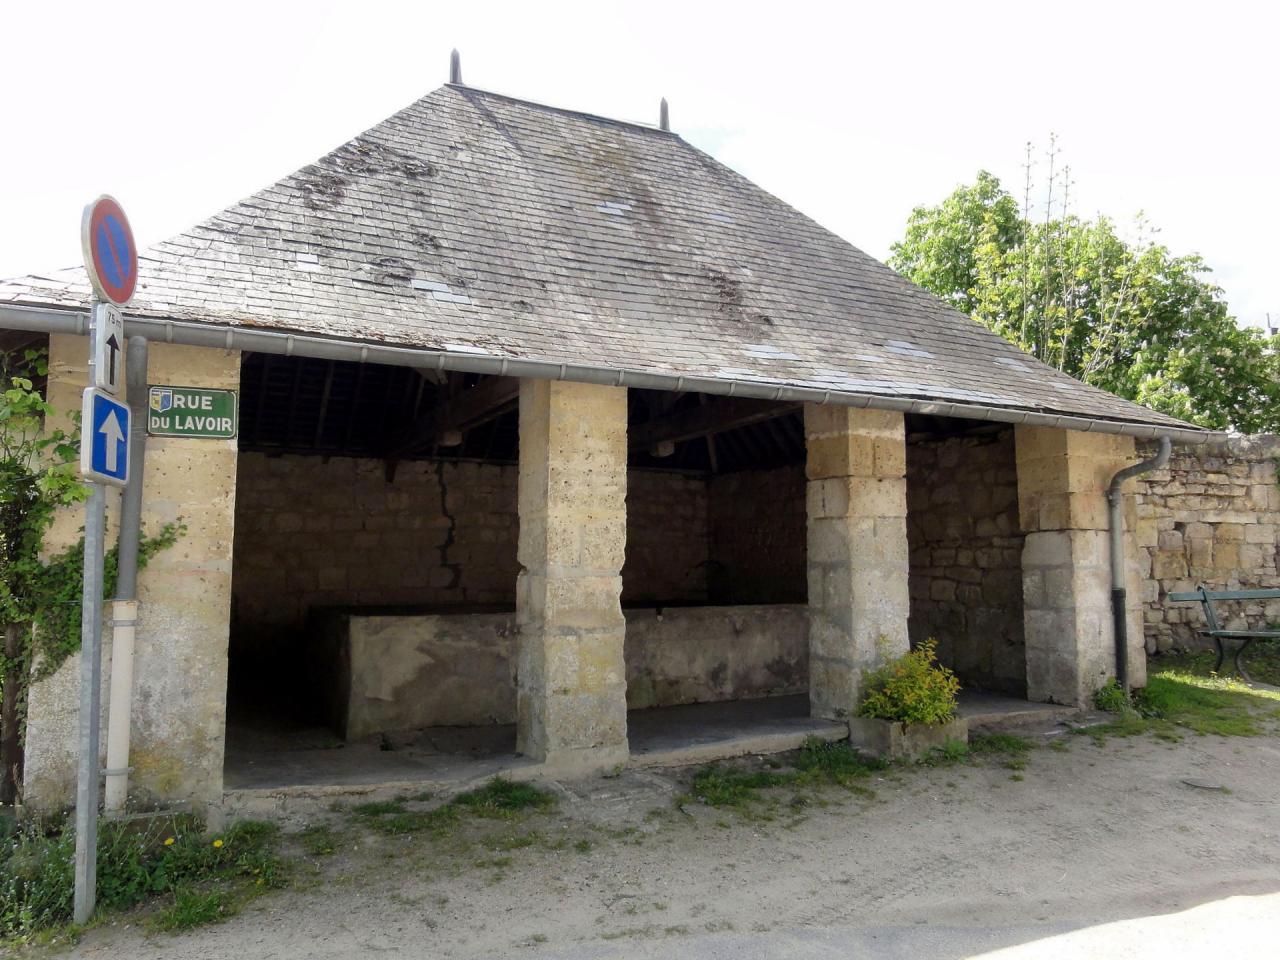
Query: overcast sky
<point>853,112</point>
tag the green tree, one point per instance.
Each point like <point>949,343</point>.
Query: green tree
<point>1126,316</point>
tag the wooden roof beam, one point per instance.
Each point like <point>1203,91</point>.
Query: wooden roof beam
<point>466,410</point>
<point>714,416</point>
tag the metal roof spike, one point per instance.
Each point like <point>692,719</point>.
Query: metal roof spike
<point>455,68</point>
<point>664,117</point>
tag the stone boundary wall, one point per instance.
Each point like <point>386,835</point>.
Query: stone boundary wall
<point>1211,516</point>
<point>966,557</point>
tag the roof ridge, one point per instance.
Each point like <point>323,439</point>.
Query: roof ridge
<point>552,108</point>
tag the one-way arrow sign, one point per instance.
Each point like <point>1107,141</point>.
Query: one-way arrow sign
<point>108,342</point>
<point>104,438</point>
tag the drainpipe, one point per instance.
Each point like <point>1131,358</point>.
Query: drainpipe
<point>1115,503</point>
<point>124,609</point>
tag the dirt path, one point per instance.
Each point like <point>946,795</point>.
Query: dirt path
<point>940,862</point>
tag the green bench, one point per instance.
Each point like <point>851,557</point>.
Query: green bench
<point>1207,598</point>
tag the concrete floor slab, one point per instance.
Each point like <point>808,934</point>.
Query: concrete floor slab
<point>702,732</point>
<point>993,713</point>
<point>271,762</point>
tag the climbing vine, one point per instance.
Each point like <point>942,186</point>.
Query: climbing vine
<point>40,597</point>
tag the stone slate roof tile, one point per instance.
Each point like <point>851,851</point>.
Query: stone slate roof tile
<point>472,222</point>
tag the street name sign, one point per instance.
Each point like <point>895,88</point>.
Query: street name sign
<point>108,348</point>
<point>198,412</point>
<point>104,438</point>
<point>109,252</point>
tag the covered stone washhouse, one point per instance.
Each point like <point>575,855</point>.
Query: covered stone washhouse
<point>545,416</point>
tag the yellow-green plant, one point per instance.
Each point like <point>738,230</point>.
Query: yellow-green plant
<point>913,688</point>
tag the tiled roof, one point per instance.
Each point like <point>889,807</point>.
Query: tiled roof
<point>474,223</point>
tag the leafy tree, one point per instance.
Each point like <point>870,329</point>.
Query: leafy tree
<point>1126,316</point>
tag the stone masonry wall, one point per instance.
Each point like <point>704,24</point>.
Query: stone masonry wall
<point>757,552</point>
<point>966,557</point>
<point>315,533</point>
<point>1211,516</point>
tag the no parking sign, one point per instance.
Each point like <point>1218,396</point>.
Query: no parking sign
<point>109,253</point>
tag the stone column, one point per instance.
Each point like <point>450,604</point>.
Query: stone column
<point>180,658</point>
<point>857,550</point>
<point>1066,572</point>
<point>571,677</point>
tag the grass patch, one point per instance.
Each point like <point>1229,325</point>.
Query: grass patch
<point>1000,745</point>
<point>817,763</point>
<point>499,799</point>
<point>139,861</point>
<point>318,840</point>
<point>1262,660</point>
<point>1176,701</point>
<point>191,908</point>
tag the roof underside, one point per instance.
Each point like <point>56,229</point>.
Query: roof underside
<point>474,224</point>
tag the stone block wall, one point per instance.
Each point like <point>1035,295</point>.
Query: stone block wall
<point>667,538</point>
<point>966,557</point>
<point>1212,517</point>
<point>180,665</point>
<point>316,533</point>
<point>757,536</point>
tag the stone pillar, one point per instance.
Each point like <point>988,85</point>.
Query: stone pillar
<point>1066,571</point>
<point>857,550</point>
<point>571,677</point>
<point>180,654</point>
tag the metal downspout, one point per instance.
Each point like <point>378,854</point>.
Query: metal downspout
<point>1115,504</point>
<point>124,609</point>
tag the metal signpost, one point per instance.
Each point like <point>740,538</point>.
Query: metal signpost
<point>112,262</point>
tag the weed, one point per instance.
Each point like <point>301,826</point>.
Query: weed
<point>191,908</point>
<point>583,846</point>
<point>500,798</point>
<point>1017,777</point>
<point>838,763</point>
<point>318,840</point>
<point>999,744</point>
<point>952,751</point>
<point>137,860</point>
<point>1111,698</point>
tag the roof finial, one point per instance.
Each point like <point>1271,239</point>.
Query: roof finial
<point>664,119</point>
<point>455,68</point>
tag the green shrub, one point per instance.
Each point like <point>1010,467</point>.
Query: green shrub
<point>914,688</point>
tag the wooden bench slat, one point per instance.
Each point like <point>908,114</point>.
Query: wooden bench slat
<point>1241,633</point>
<point>1226,595</point>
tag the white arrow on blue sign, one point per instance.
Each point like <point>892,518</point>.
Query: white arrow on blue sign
<point>104,438</point>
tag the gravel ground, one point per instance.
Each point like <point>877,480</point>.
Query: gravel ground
<point>1096,850</point>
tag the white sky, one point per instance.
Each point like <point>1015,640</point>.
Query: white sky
<point>853,112</point>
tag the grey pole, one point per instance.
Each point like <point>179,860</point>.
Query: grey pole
<point>90,697</point>
<point>131,503</point>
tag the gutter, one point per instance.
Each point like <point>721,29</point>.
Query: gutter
<point>1115,502</point>
<point>255,340</point>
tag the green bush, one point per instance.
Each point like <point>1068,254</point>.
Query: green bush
<point>914,688</point>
